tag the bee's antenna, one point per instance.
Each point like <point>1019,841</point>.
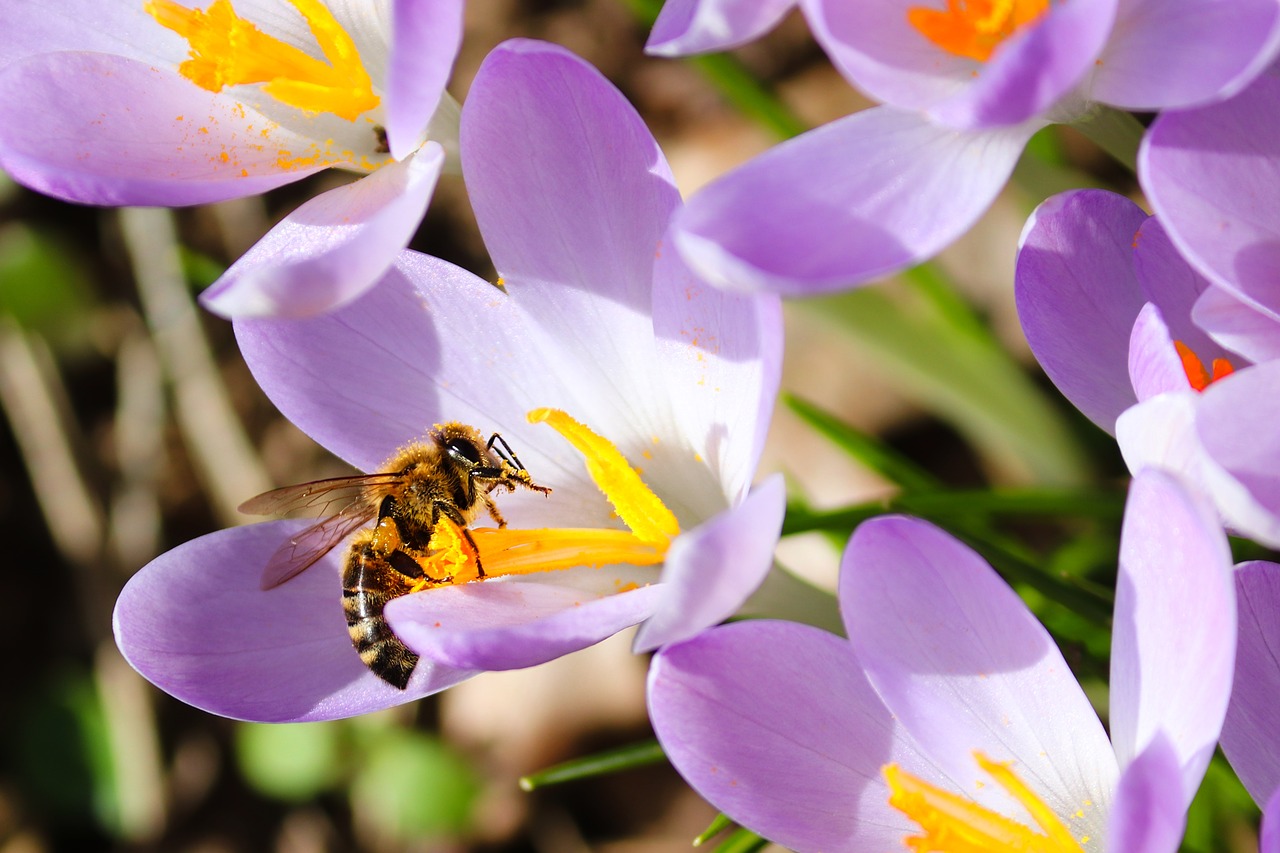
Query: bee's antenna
<point>504,451</point>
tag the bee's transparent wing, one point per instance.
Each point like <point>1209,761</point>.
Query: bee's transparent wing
<point>303,550</point>
<point>316,497</point>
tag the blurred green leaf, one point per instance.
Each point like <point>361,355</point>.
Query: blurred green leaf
<point>599,764</point>
<point>942,357</point>
<point>293,762</point>
<point>200,270</point>
<point>62,754</point>
<point>1222,815</point>
<point>412,786</point>
<point>870,451</point>
<point>42,287</point>
<point>738,85</point>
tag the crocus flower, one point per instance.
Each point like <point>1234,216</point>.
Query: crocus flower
<point>1111,311</point>
<point>1212,177</point>
<point>949,714</point>
<point>1250,734</point>
<point>598,332</point>
<point>152,102</point>
<point>964,85</point>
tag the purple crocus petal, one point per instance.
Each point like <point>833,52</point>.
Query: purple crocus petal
<point>728,344</point>
<point>1173,648</point>
<point>425,38</point>
<point>1032,69</point>
<point>963,664</point>
<point>30,27</point>
<point>150,137</point>
<point>195,623</point>
<point>698,26</point>
<point>1150,810</point>
<point>1235,422</point>
<point>1249,732</point>
<point>1173,285</point>
<point>817,213</point>
<point>1238,326</point>
<point>365,378</point>
<point>1211,175</point>
<point>558,200</point>
<point>1269,835</point>
<point>497,626</point>
<point>1154,365</point>
<point>711,570</point>
<point>334,247</point>
<point>1078,297</point>
<point>1160,433</point>
<point>1165,54</point>
<point>775,725</point>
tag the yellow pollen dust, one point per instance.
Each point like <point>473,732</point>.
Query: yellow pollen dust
<point>952,823</point>
<point>974,28</point>
<point>1200,377</point>
<point>517,551</point>
<point>227,50</point>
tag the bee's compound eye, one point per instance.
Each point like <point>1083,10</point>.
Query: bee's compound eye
<point>463,451</point>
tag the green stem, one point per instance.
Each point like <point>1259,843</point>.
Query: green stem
<point>737,84</point>
<point>600,764</point>
<point>1115,131</point>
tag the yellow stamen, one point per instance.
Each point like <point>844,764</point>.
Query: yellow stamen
<point>636,504</point>
<point>975,28</point>
<point>514,551</point>
<point>953,823</point>
<point>227,50</point>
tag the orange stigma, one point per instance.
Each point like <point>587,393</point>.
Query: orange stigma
<point>975,28</point>
<point>1200,377</point>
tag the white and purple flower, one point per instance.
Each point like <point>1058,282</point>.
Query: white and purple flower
<point>1213,176</point>
<point>595,319</point>
<point>1116,317</point>
<point>149,102</point>
<point>964,85</point>
<point>949,712</point>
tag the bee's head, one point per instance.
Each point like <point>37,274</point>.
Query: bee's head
<point>465,447</point>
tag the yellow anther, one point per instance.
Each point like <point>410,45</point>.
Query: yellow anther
<point>636,504</point>
<point>522,551</point>
<point>975,28</point>
<point>227,50</point>
<point>952,823</point>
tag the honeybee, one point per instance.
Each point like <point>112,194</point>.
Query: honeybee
<point>451,475</point>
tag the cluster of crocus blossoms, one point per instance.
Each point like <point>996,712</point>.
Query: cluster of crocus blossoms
<point>630,355</point>
<point>610,369</point>
<point>963,86</point>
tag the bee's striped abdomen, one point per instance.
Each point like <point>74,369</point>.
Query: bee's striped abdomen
<point>369,581</point>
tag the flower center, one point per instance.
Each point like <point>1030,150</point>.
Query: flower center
<point>227,50</point>
<point>514,551</point>
<point>1200,377</point>
<point>956,824</point>
<point>975,28</point>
